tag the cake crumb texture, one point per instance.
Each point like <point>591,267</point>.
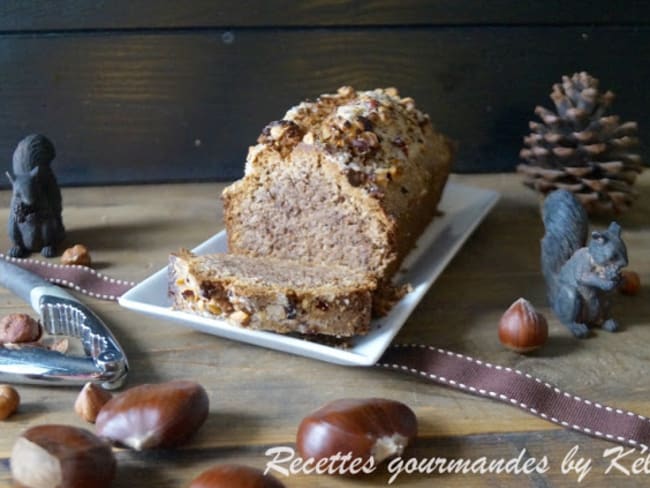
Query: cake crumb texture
<point>272,294</point>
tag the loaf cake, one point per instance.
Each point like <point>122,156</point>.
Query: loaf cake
<point>272,294</point>
<point>350,179</point>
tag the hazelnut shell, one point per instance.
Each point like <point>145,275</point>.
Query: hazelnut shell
<point>76,255</point>
<point>151,416</point>
<point>9,401</point>
<point>630,282</point>
<point>19,327</point>
<point>365,427</point>
<point>522,328</point>
<point>90,401</point>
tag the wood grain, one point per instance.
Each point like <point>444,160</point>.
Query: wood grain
<point>185,106</point>
<point>258,396</point>
<point>43,15</point>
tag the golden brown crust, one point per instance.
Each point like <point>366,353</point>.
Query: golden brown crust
<point>368,160</point>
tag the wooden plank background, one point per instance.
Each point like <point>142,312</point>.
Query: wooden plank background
<point>45,15</point>
<point>146,91</point>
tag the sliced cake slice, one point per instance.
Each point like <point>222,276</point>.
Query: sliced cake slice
<point>272,294</point>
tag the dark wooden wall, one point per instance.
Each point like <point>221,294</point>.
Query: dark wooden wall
<point>160,90</point>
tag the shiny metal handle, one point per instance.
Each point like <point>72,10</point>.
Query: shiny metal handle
<point>29,364</point>
<point>20,281</point>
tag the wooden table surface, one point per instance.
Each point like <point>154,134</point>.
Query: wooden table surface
<point>259,396</point>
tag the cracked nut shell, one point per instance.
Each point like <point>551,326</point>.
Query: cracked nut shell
<point>234,475</point>
<point>77,254</point>
<point>522,328</point>
<point>372,427</point>
<point>151,416</point>
<point>19,327</point>
<point>61,456</point>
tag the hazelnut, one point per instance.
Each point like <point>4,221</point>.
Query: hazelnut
<point>240,317</point>
<point>234,475</point>
<point>367,428</point>
<point>19,327</point>
<point>391,91</point>
<point>149,416</point>
<point>90,401</point>
<point>630,282</point>
<point>9,401</point>
<point>77,254</point>
<point>53,456</point>
<point>522,328</point>
<point>346,91</point>
<point>57,344</point>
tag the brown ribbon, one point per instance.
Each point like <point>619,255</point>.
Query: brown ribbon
<point>433,364</point>
<point>79,278</point>
<point>521,390</point>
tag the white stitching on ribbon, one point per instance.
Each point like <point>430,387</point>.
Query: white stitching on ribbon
<point>514,401</point>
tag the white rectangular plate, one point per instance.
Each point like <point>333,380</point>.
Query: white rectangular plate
<point>462,207</point>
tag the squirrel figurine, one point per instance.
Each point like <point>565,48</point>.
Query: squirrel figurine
<point>579,276</point>
<point>35,222</point>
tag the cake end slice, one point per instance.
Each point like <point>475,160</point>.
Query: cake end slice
<point>272,294</point>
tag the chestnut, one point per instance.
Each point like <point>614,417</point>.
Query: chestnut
<point>366,428</point>
<point>157,415</point>
<point>61,456</point>
<point>522,328</point>
<point>234,475</point>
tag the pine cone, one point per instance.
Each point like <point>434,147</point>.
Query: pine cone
<point>581,149</point>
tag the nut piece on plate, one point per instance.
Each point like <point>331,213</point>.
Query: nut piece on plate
<point>150,416</point>
<point>61,456</point>
<point>9,401</point>
<point>234,475</point>
<point>374,428</point>
<point>90,401</point>
<point>77,254</point>
<point>630,282</point>
<point>522,328</point>
<point>19,327</point>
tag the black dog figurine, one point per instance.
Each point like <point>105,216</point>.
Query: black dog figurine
<point>35,222</point>
<point>580,276</point>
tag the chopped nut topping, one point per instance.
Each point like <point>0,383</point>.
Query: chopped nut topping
<point>308,138</point>
<point>391,91</point>
<point>322,305</point>
<point>400,143</point>
<point>346,91</point>
<point>365,143</point>
<point>282,135</point>
<point>240,317</point>
<point>364,132</point>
